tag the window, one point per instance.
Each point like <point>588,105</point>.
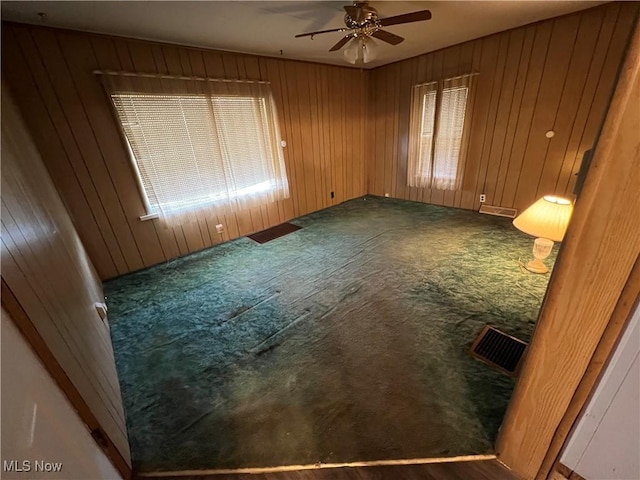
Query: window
<point>438,113</point>
<point>208,146</point>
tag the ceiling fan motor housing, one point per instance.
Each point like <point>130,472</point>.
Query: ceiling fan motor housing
<point>365,15</point>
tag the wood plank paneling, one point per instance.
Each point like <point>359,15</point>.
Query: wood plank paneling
<point>346,129</point>
<point>559,53</point>
<point>593,284</point>
<point>557,74</point>
<point>47,124</point>
<point>47,273</point>
<point>320,109</point>
<point>67,90</point>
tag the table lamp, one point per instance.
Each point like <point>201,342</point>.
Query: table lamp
<point>546,219</point>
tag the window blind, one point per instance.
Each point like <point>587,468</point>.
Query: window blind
<point>200,146</point>
<point>422,131</point>
<point>437,123</point>
<point>453,107</point>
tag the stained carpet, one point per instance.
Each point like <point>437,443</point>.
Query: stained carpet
<point>344,341</point>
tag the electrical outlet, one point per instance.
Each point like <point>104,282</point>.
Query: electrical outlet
<point>219,228</point>
<point>483,198</point>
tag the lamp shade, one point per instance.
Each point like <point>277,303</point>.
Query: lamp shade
<point>548,218</point>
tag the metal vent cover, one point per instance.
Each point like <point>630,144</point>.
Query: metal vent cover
<point>499,350</point>
<point>499,211</point>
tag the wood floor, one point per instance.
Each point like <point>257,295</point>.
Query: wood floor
<point>474,470</point>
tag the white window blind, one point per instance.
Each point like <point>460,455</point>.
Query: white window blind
<point>438,113</point>
<point>199,145</point>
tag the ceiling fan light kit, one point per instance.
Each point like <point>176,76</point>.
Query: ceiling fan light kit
<point>362,23</point>
<point>360,50</point>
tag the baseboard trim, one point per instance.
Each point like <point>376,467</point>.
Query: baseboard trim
<point>317,466</point>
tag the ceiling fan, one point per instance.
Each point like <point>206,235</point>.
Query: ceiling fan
<point>362,23</point>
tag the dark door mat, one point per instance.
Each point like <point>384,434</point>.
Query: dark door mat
<point>274,232</point>
<point>498,350</point>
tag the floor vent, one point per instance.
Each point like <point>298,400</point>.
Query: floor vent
<point>499,211</point>
<point>499,350</point>
<point>274,232</point>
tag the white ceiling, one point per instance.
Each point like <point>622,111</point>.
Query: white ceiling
<point>267,27</point>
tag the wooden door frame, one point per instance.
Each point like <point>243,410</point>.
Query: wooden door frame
<point>594,286</point>
<point>21,320</point>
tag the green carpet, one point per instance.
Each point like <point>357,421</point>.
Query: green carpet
<point>344,341</point>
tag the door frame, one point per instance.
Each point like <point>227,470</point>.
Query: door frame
<point>24,324</point>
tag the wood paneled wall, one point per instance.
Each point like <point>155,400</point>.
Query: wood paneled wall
<point>595,279</point>
<point>346,129</point>
<point>321,110</point>
<point>555,75</point>
<point>47,270</point>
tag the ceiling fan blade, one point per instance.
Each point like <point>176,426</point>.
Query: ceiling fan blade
<point>343,41</point>
<point>406,18</point>
<point>388,37</point>
<point>343,29</point>
<point>354,12</point>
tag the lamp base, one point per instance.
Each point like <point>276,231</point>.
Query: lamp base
<point>536,266</point>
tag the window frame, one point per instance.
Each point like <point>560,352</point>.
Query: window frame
<point>128,83</point>
<point>417,166</point>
